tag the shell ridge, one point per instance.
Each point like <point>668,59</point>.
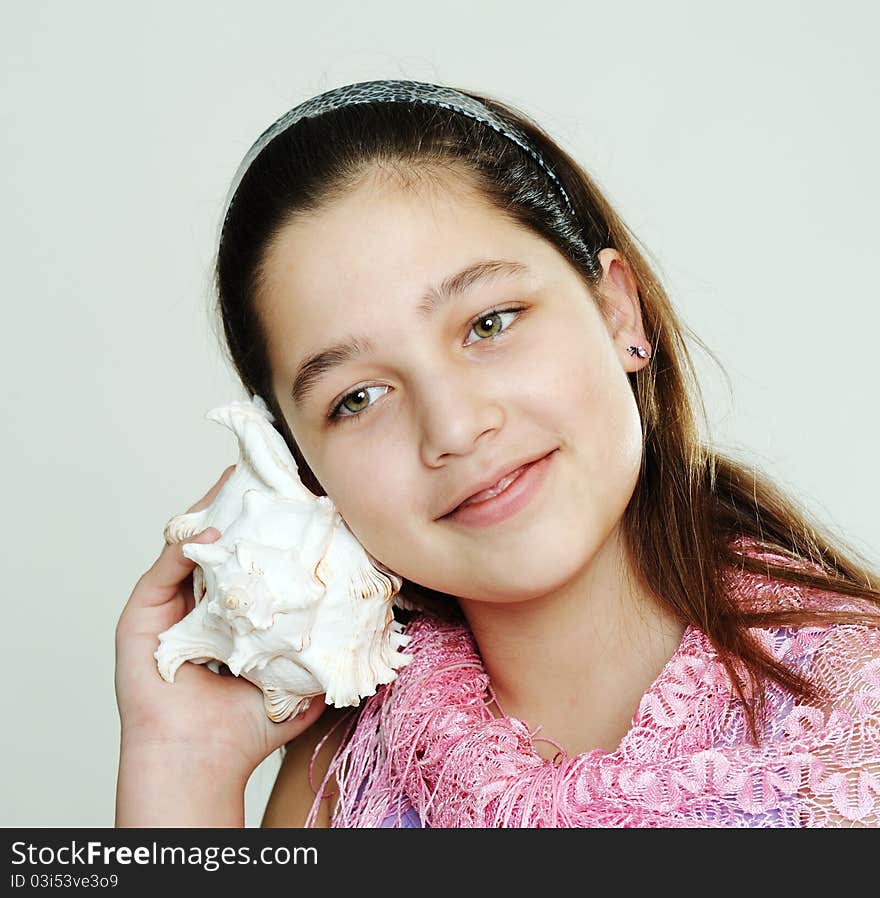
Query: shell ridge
<point>286,597</point>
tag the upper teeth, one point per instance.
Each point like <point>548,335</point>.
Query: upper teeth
<point>495,490</point>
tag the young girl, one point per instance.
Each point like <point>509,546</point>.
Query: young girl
<point>612,624</point>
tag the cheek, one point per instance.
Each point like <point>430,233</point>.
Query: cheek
<point>385,531</point>
<point>576,376</point>
<point>615,463</point>
<point>601,422</point>
<point>370,494</point>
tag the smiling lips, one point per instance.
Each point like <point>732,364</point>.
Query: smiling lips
<point>496,489</point>
<point>502,478</point>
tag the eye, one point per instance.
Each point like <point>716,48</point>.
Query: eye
<point>356,403</point>
<point>357,398</point>
<point>492,321</point>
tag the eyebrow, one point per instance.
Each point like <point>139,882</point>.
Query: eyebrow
<point>314,368</point>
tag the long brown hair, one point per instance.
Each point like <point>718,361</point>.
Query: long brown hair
<point>690,502</point>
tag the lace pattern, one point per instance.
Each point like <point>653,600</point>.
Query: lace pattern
<point>427,750</point>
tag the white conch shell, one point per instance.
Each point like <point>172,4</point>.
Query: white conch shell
<point>286,597</point>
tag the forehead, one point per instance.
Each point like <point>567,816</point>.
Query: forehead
<point>375,250</point>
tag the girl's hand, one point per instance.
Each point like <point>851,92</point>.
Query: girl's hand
<point>201,714</point>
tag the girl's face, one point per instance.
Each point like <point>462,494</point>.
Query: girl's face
<point>441,391</point>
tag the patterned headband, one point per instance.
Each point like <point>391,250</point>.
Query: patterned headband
<point>389,91</point>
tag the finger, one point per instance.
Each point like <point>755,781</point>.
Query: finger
<point>185,591</point>
<point>293,726</point>
<point>211,495</point>
<point>162,581</point>
<point>202,503</point>
<point>279,733</point>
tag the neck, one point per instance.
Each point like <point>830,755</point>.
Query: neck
<point>603,641</point>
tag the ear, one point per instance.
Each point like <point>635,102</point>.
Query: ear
<point>619,296</point>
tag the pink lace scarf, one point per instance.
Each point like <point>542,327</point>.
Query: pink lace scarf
<point>429,741</point>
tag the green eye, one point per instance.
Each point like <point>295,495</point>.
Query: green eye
<point>354,398</point>
<point>492,322</point>
<point>352,404</point>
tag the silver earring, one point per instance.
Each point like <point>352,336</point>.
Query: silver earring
<point>640,351</point>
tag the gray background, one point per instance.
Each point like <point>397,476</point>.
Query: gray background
<point>740,143</point>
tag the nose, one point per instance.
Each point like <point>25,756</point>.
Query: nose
<point>455,411</point>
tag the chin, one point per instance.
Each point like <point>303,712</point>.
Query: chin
<point>542,570</point>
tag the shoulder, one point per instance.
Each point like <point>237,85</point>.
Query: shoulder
<point>844,661</point>
<point>814,605</point>
<point>839,653</point>
<point>293,794</point>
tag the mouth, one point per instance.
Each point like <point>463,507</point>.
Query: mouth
<point>497,485</point>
